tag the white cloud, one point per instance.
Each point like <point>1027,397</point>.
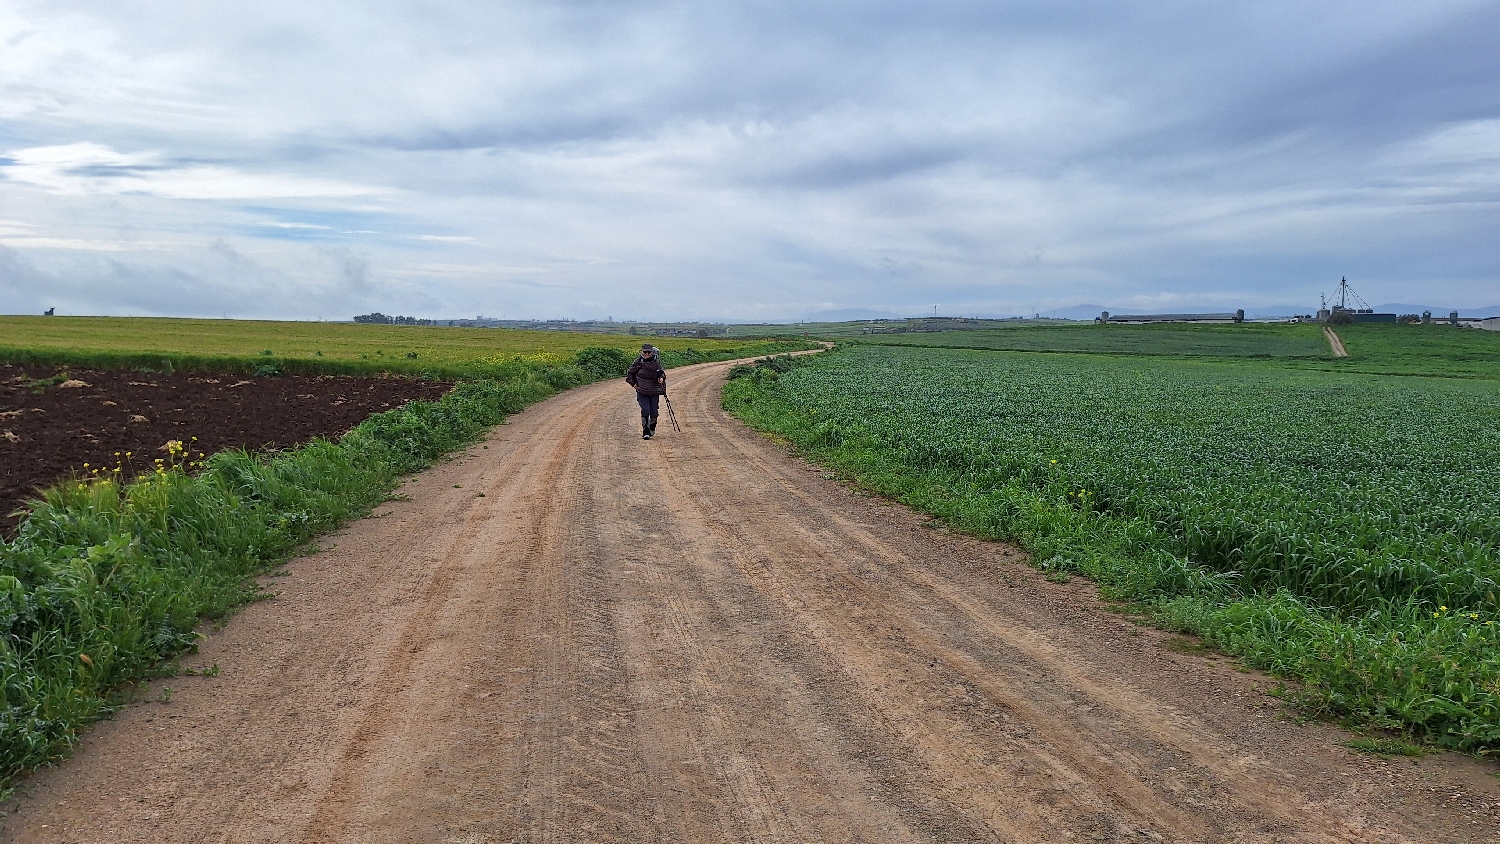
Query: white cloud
<point>19,235</point>
<point>1457,164</point>
<point>307,226</point>
<point>70,244</point>
<point>87,168</point>
<point>753,160</point>
<point>465,270</point>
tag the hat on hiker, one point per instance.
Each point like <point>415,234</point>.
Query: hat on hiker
<point>647,347</point>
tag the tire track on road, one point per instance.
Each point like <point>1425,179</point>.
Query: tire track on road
<point>361,760</point>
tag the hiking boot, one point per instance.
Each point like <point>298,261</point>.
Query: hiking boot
<point>652,425</point>
<point>646,427</point>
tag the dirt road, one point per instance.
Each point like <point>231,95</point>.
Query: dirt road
<point>571,635</point>
<point>1335,343</point>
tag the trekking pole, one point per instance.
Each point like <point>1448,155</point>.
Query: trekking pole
<point>671,414</point>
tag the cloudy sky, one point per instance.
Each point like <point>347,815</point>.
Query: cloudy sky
<point>744,161</point>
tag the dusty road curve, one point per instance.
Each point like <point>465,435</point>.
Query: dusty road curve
<point>571,635</point>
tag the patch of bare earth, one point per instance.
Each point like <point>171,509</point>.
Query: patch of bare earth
<point>569,634</point>
<point>57,422</point>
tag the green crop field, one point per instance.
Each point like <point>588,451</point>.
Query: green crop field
<point>1389,349</point>
<point>1244,340</point>
<point>315,346</point>
<point>1419,350</point>
<point>1341,529</point>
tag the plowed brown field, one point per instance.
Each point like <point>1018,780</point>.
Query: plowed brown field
<point>49,430</point>
<point>568,634</point>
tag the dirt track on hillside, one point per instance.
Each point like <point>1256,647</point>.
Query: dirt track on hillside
<point>568,634</point>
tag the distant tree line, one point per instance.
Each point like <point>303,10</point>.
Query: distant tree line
<point>379,318</point>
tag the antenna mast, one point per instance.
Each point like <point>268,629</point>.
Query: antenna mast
<point>1346,294</point>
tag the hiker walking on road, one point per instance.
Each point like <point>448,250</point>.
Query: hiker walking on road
<point>650,382</point>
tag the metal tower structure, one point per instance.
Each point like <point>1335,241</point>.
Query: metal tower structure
<point>1348,298</point>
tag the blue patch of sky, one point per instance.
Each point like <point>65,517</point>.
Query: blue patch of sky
<point>302,224</point>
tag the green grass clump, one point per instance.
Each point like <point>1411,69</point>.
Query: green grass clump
<point>1381,746</point>
<point>1341,529</point>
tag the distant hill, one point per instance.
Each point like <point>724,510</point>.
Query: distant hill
<point>859,314</point>
<point>850,315</point>
<point>1278,311</point>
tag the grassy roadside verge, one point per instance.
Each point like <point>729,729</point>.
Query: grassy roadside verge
<point>105,581</point>
<point>1335,529</point>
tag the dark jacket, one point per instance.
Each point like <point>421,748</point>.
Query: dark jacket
<point>647,377</point>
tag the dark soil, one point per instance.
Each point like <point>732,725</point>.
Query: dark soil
<point>49,430</point>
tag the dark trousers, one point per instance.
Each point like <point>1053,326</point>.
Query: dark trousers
<point>648,404</point>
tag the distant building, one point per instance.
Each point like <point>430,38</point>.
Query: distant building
<point>1351,308</point>
<point>1137,319</point>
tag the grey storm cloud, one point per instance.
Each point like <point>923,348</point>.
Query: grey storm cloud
<point>744,160</point>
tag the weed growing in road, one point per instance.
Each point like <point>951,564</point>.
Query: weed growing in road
<point>1386,747</point>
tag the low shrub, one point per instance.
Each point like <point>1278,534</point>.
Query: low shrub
<point>602,363</point>
<point>767,367</point>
